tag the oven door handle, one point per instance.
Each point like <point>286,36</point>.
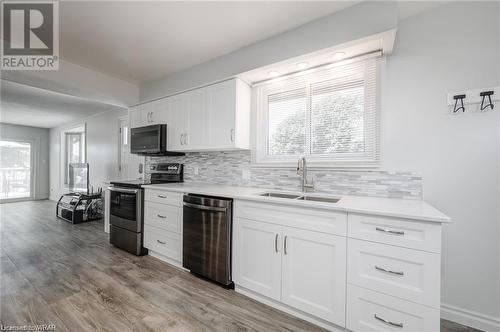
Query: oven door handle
<point>123,190</point>
<point>206,208</point>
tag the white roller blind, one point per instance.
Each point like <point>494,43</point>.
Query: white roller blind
<point>328,115</point>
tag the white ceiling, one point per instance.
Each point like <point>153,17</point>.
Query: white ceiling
<point>29,106</point>
<point>144,40</point>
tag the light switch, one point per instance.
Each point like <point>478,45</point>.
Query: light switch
<point>245,174</point>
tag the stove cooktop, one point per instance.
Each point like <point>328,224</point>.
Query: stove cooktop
<point>159,173</point>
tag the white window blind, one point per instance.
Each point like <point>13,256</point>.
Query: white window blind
<point>328,115</point>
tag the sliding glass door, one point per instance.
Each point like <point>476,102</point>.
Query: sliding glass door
<point>16,176</point>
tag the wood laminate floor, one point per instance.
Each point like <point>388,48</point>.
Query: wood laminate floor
<point>53,272</point>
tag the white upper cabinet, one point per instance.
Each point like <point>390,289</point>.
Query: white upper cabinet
<point>141,115</point>
<point>228,110</point>
<point>212,118</point>
<point>159,112</point>
<point>195,135</point>
<point>178,122</point>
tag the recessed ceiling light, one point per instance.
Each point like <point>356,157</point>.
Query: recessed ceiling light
<point>338,55</point>
<point>303,65</point>
<point>273,73</point>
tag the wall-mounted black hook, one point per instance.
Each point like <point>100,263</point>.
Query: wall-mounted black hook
<point>462,107</point>
<point>490,104</point>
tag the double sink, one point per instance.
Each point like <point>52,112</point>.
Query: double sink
<point>302,197</point>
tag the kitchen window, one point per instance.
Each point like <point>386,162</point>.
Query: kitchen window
<point>328,114</point>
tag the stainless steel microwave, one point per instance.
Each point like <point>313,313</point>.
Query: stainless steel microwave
<point>149,140</point>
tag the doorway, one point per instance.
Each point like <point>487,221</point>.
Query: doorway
<point>16,170</point>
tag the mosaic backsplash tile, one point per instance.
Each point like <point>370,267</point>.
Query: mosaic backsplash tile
<point>234,168</point>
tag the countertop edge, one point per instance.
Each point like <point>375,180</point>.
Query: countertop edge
<point>442,219</point>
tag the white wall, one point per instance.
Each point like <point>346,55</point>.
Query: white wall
<point>40,137</point>
<point>102,150</point>
<point>325,32</point>
<point>449,48</point>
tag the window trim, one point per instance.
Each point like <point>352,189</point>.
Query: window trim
<point>260,158</point>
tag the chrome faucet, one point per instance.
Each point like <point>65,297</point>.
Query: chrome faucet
<point>302,170</point>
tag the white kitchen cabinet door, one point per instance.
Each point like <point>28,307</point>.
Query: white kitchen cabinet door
<point>177,122</point>
<point>147,113</point>
<point>314,273</point>
<point>195,136</point>
<point>221,104</point>
<point>228,115</point>
<point>257,257</point>
<point>135,117</point>
<point>159,113</point>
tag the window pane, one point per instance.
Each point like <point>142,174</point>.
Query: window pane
<point>337,118</point>
<point>287,123</point>
<point>15,172</point>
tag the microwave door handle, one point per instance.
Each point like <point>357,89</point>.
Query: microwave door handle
<point>122,190</point>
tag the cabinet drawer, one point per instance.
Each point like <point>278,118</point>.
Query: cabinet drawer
<point>409,274</point>
<point>165,197</point>
<point>399,232</point>
<point>163,216</point>
<point>371,311</point>
<point>313,219</point>
<point>166,243</point>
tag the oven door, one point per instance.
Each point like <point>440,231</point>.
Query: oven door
<point>125,208</point>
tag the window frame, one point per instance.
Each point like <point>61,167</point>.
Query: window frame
<point>370,159</point>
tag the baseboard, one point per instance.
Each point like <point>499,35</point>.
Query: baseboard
<point>470,318</point>
<point>166,259</point>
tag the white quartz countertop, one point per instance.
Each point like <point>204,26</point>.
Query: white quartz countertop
<point>402,208</point>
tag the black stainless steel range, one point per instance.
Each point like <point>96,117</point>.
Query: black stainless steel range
<point>126,216</point>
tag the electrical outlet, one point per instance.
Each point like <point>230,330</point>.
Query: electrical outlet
<point>245,174</point>
<point>196,170</point>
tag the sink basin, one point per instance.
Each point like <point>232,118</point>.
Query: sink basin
<point>319,199</point>
<point>280,195</point>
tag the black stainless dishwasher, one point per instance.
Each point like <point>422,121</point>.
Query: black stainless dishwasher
<point>207,237</point>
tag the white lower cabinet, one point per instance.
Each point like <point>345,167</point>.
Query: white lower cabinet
<point>165,243</point>
<point>257,257</point>
<point>412,275</point>
<point>372,311</point>
<point>313,273</point>
<point>302,269</point>
<point>339,270</point>
<point>163,225</point>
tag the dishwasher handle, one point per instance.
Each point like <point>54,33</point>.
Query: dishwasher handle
<point>205,208</point>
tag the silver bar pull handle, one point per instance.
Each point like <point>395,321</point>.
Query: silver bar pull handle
<point>388,322</point>
<point>162,196</point>
<point>399,273</point>
<point>123,190</point>
<point>284,245</point>
<point>160,216</point>
<point>206,208</point>
<point>276,243</point>
<point>161,242</point>
<point>389,231</point>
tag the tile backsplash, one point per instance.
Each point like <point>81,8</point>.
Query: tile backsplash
<point>234,168</point>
